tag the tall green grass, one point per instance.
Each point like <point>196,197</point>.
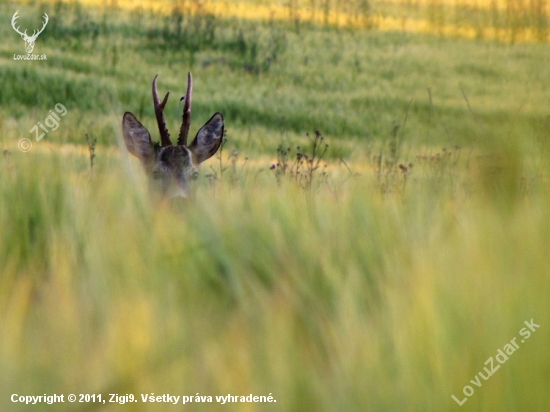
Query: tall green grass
<point>348,84</point>
<point>345,298</point>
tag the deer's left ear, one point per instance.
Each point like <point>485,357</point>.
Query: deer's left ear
<point>137,139</point>
<point>208,139</point>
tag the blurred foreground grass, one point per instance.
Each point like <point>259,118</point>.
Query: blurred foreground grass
<point>346,298</point>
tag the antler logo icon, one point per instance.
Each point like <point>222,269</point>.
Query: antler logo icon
<point>29,40</point>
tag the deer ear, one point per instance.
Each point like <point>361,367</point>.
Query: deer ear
<point>208,139</point>
<point>137,139</point>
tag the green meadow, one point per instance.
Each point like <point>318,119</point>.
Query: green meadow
<point>372,236</point>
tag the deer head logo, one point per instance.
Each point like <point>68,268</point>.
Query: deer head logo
<point>29,40</point>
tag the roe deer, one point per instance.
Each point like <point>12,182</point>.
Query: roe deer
<point>171,168</point>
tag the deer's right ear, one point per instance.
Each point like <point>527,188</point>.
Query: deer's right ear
<point>137,139</point>
<point>208,139</point>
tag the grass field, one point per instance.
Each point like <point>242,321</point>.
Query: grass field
<point>384,280</point>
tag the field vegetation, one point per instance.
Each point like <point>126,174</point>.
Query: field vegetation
<point>374,228</point>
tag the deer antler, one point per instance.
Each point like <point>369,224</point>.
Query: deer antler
<point>24,34</point>
<point>13,21</point>
<point>35,33</point>
<point>184,129</point>
<point>159,107</point>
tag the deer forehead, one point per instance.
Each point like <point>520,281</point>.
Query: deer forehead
<point>178,159</point>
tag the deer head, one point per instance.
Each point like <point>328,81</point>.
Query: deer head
<point>172,168</point>
<point>29,40</point>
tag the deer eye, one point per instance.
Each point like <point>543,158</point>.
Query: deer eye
<point>194,175</point>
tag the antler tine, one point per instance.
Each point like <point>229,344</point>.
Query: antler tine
<point>14,21</point>
<point>184,130</point>
<point>37,32</point>
<point>14,18</point>
<point>159,107</point>
<point>46,20</point>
